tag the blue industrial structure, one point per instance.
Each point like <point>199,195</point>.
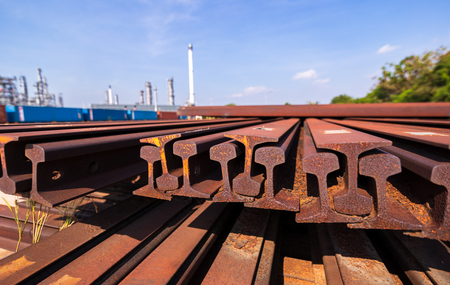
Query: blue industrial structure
<point>36,114</point>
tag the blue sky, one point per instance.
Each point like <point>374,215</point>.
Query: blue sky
<point>245,52</point>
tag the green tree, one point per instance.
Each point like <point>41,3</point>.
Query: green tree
<point>342,99</point>
<point>415,79</point>
<point>231,104</point>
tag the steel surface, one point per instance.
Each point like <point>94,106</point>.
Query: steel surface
<point>94,263</point>
<point>68,169</point>
<point>63,243</point>
<point>320,163</point>
<point>359,262</point>
<point>434,168</point>
<point>405,259</point>
<point>226,154</point>
<point>426,122</point>
<point>432,256</point>
<point>163,263</point>
<point>330,265</point>
<point>270,157</point>
<point>195,155</point>
<point>250,137</point>
<point>394,110</point>
<point>240,252</point>
<point>351,200</point>
<point>389,214</point>
<point>432,136</point>
<point>168,181</point>
<point>16,168</point>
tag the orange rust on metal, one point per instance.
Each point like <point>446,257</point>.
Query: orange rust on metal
<point>98,261</point>
<point>413,109</point>
<point>151,154</point>
<point>439,137</point>
<point>319,163</point>
<point>359,262</point>
<point>191,149</point>
<point>389,214</point>
<point>351,200</point>
<point>166,181</point>
<point>241,250</point>
<point>434,168</point>
<point>163,263</point>
<point>270,157</point>
<point>224,153</point>
<point>14,266</point>
<point>250,137</point>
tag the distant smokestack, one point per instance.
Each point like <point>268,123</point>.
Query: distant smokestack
<point>110,96</point>
<point>106,98</point>
<point>141,98</point>
<point>148,91</point>
<point>45,85</point>
<point>23,87</point>
<point>156,98</point>
<point>116,99</point>
<point>191,76</point>
<point>39,88</point>
<point>170,91</point>
<point>60,98</point>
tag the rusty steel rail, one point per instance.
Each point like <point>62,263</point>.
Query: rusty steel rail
<point>389,214</point>
<point>250,137</point>
<point>394,110</point>
<point>272,156</point>
<point>61,247</point>
<point>423,122</point>
<point>436,169</point>
<point>241,250</point>
<point>320,163</point>
<point>355,253</point>
<point>351,200</point>
<point>431,136</point>
<point>110,251</point>
<point>200,179</point>
<point>162,150</point>
<point>16,168</point>
<point>65,170</point>
<point>61,126</point>
<point>181,242</point>
<point>226,154</point>
<point>164,262</point>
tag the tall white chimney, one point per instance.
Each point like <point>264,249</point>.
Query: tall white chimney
<point>170,91</point>
<point>156,98</point>
<point>106,98</point>
<point>148,91</point>
<point>116,99</point>
<point>141,98</point>
<point>110,96</point>
<point>191,76</point>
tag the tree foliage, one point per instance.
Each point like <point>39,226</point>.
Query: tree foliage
<point>342,99</point>
<point>416,78</point>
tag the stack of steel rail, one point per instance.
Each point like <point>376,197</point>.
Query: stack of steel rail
<point>351,167</point>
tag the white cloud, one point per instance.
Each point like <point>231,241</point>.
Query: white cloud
<point>255,90</point>
<point>387,48</point>
<point>309,74</point>
<point>321,81</point>
<point>252,90</point>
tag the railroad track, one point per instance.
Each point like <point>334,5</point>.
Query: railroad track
<point>220,201</point>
